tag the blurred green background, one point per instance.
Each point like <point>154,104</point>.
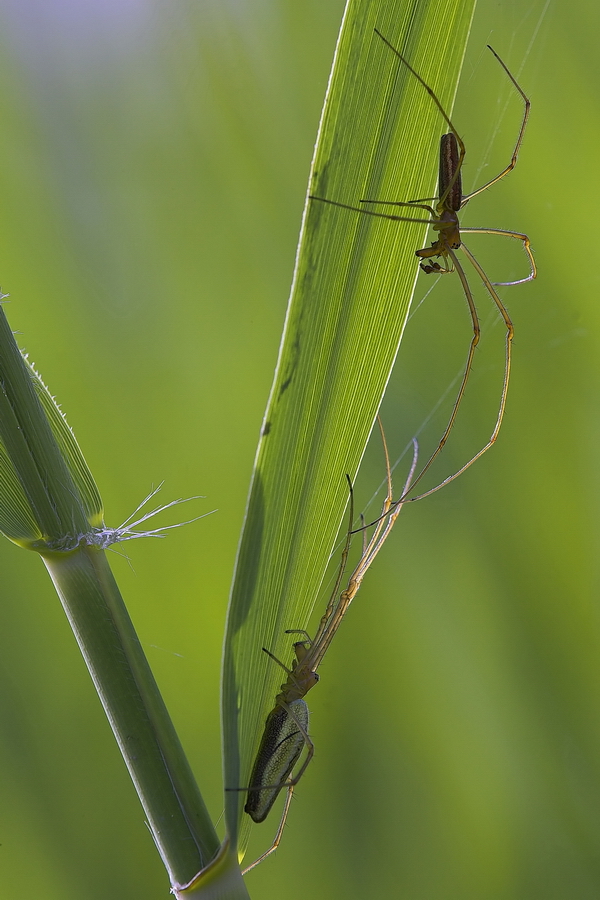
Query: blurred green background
<point>153,165</point>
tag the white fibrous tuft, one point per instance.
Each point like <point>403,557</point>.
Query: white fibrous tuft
<point>126,531</point>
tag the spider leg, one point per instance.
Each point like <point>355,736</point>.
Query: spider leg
<point>278,836</point>
<point>519,237</point>
<point>515,153</point>
<point>507,364</point>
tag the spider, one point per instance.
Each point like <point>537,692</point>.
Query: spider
<point>445,223</point>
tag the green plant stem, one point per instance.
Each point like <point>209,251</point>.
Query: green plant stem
<point>221,880</point>
<point>180,823</point>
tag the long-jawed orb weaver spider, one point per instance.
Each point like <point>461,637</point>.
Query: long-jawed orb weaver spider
<point>286,728</point>
<point>444,221</point>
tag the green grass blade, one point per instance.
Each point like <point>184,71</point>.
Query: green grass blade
<point>48,495</point>
<point>37,488</point>
<point>352,287</point>
<point>71,452</point>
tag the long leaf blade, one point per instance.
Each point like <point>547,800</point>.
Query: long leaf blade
<point>350,298</point>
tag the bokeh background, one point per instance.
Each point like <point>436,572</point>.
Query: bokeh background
<point>153,165</point>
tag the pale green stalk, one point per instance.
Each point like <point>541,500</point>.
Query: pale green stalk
<point>49,503</point>
<point>175,811</point>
